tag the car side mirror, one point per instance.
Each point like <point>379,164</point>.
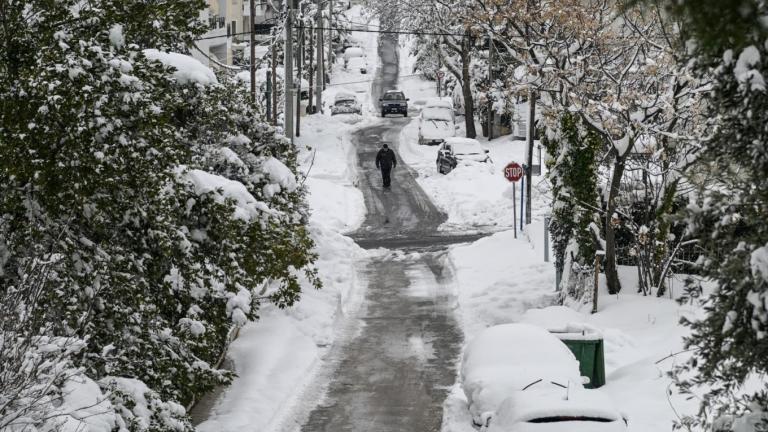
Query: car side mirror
<point>487,151</point>
<point>407,99</point>
<point>380,99</point>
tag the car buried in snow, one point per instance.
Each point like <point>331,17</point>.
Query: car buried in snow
<point>455,150</point>
<point>345,103</point>
<point>436,122</point>
<point>521,378</point>
<point>557,408</point>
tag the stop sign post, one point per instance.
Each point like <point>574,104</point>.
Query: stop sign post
<point>513,172</point>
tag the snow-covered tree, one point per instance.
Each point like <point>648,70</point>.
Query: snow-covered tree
<point>147,198</point>
<point>573,150</point>
<point>728,45</point>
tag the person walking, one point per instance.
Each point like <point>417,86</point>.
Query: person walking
<point>385,161</point>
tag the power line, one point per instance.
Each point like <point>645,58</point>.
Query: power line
<point>374,80</point>
<point>228,36</point>
<point>405,32</point>
<point>314,28</point>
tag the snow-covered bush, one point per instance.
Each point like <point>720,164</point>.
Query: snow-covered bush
<point>144,197</point>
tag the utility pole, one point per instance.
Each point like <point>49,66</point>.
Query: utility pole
<point>288,74</point>
<point>489,116</point>
<point>439,79</point>
<point>530,135</point>
<point>274,80</point>
<point>252,6</point>
<point>310,71</point>
<point>269,96</point>
<point>329,71</point>
<point>319,85</point>
<point>300,52</point>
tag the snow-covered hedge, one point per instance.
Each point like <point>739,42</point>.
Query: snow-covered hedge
<point>143,206</point>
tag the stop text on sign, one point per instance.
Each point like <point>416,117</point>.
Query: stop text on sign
<point>513,171</point>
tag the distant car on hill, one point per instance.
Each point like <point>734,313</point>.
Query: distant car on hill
<point>393,102</point>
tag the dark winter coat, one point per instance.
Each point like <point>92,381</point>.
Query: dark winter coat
<point>385,159</point>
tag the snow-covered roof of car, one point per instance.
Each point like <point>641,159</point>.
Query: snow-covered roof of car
<point>563,409</point>
<point>344,96</point>
<point>438,102</point>
<point>353,52</point>
<point>504,359</point>
<point>464,145</point>
<point>356,62</point>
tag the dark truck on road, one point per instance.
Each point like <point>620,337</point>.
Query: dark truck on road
<point>393,102</point>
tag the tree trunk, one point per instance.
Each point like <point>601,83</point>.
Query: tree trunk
<point>611,272</point>
<point>469,104</point>
<point>662,252</point>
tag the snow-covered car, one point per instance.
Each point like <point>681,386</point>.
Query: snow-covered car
<point>506,359</point>
<point>547,408</point>
<point>345,103</point>
<point>455,150</point>
<point>357,64</point>
<point>393,102</point>
<point>436,122</point>
<point>353,52</point>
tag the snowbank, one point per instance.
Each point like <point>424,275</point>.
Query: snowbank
<point>499,278</point>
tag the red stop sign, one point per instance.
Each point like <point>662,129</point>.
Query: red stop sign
<point>513,171</point>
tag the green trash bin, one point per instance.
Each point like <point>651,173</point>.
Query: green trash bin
<point>588,349</point>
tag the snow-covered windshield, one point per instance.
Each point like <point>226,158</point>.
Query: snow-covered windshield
<point>437,113</point>
<point>467,147</point>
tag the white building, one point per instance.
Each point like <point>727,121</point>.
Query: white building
<point>229,20</point>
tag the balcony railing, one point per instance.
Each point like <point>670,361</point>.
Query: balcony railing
<point>216,22</point>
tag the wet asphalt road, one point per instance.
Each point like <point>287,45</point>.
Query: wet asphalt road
<point>394,371</point>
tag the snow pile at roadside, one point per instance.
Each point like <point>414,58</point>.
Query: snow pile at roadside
<point>274,357</point>
<point>498,279</point>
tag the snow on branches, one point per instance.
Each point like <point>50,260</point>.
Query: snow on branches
<point>143,205</point>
